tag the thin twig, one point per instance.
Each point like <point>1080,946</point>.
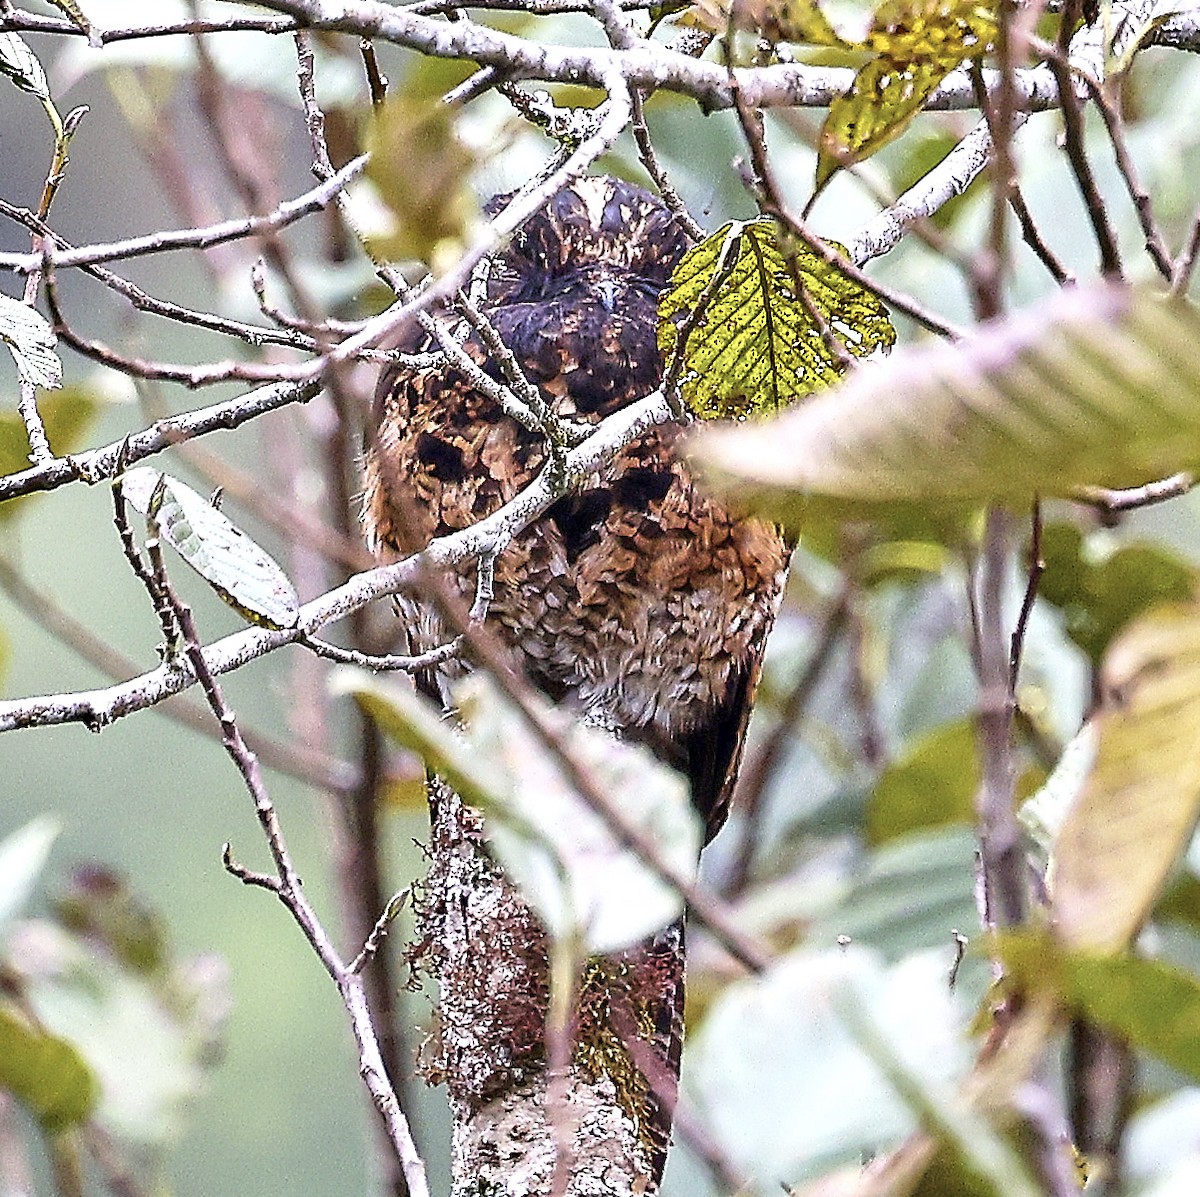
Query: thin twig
<point>1037,567</point>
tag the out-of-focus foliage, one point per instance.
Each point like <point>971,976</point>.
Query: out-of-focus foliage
<point>1100,591</point>
<point>1084,389</point>
<point>100,1020</point>
<point>572,869</point>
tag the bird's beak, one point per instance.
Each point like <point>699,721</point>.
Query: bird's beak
<point>608,294</point>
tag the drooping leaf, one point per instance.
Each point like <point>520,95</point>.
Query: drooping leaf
<point>243,574</point>
<point>569,866</point>
<point>31,340</point>
<point>918,42</point>
<point>1094,386</point>
<point>421,171</point>
<point>46,1073</point>
<point>1141,800</point>
<point>1100,593</point>
<point>1151,1003</point>
<point>23,855</point>
<point>736,314</point>
<point>21,65</point>
<point>883,101</point>
<point>1044,813</point>
<point>784,1084</point>
<point>66,415</point>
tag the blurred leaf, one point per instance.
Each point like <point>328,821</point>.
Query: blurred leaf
<point>1099,597</point>
<point>932,785</point>
<point>1094,386</point>
<point>242,573</point>
<point>30,339</point>
<point>21,65</point>
<point>1150,1003</point>
<point>984,1151</point>
<point>913,894</point>
<point>1045,812</point>
<point>101,905</point>
<point>66,415</point>
<point>1141,800</point>
<point>779,20</point>
<point>754,348</point>
<point>415,723</point>
<point>45,1073</point>
<point>569,866</point>
<point>150,1040</point>
<point>1161,1138</point>
<point>23,855</point>
<point>785,1086</point>
<point>421,170</point>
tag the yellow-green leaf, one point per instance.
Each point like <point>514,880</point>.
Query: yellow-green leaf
<point>886,95</point>
<point>1140,803</point>
<point>918,43</point>
<point>783,21</point>
<point>45,1073</point>
<point>748,343</point>
<point>1095,386</point>
<point>948,31</point>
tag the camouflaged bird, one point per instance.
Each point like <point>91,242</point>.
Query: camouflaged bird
<point>637,600</point>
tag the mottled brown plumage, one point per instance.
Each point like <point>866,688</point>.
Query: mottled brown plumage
<point>638,600</point>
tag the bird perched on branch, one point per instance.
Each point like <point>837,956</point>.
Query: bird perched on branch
<point>636,600</point>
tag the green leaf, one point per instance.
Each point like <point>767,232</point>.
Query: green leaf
<point>1094,386</point>
<point>21,65</point>
<point>1150,1003</point>
<point>570,868</point>
<point>244,575</point>
<point>66,415</point>
<point>784,1084</point>
<point>45,1073</point>
<point>736,314</point>
<point>23,856</point>
<point>31,340</point>
<point>1099,593</point>
<point>1141,800</point>
<point>932,785</point>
